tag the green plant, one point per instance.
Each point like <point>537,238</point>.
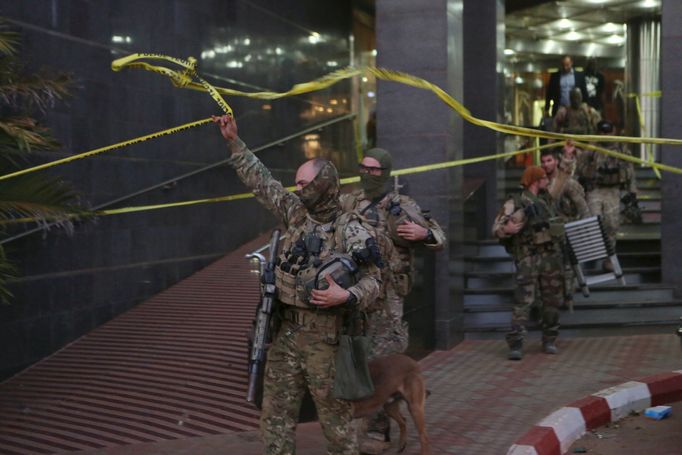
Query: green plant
<point>35,196</point>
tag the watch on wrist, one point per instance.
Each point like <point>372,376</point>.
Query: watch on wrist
<point>430,238</point>
<point>351,300</point>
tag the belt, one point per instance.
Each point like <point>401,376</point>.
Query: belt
<point>307,317</point>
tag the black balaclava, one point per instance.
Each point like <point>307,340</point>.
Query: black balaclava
<point>321,195</point>
<point>375,185</point>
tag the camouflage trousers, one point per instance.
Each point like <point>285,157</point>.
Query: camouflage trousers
<point>605,201</point>
<point>543,273</point>
<point>388,332</point>
<point>298,358</point>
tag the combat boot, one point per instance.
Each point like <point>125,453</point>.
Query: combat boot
<point>515,350</point>
<point>374,444</point>
<point>549,345</point>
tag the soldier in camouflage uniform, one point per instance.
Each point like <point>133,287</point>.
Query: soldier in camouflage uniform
<point>527,223</point>
<point>578,118</point>
<point>569,201</point>
<point>303,351</point>
<point>604,177</point>
<point>399,226</point>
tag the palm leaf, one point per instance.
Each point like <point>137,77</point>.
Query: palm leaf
<point>44,200</point>
<point>8,40</point>
<point>35,91</point>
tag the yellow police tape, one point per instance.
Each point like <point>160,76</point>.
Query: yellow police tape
<point>118,145</point>
<point>327,80</point>
<point>640,115</point>
<point>185,79</point>
<point>343,181</point>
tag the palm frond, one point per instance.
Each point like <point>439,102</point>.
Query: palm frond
<point>38,91</point>
<point>25,134</point>
<point>7,272</point>
<point>44,200</point>
<point>8,40</point>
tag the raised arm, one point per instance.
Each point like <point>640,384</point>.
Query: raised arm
<point>269,192</point>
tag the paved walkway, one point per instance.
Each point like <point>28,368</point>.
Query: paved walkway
<point>169,377</point>
<point>480,402</point>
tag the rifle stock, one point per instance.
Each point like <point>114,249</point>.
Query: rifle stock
<point>263,316</point>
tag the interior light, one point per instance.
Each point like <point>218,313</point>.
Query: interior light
<point>649,3</point>
<point>374,52</point>
<point>565,23</point>
<point>247,41</point>
<point>573,36</point>
<point>509,52</point>
<point>332,63</point>
<point>610,27</point>
<point>615,39</point>
<point>279,51</point>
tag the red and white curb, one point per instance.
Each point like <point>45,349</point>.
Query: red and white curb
<point>554,434</point>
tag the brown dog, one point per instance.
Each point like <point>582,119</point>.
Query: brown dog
<point>397,377</point>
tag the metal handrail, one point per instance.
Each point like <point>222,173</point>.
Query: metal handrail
<point>189,174</point>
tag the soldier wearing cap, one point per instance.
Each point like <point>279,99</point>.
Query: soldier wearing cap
<point>399,226</point>
<point>303,351</point>
<point>604,177</point>
<point>528,227</point>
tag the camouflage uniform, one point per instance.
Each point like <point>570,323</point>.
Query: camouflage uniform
<point>604,177</point>
<point>582,120</point>
<point>388,331</point>
<point>570,205</point>
<point>303,351</point>
<point>538,263</point>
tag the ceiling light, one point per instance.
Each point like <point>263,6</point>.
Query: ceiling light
<point>649,3</point>
<point>509,52</point>
<point>615,39</point>
<point>573,36</point>
<point>610,27</point>
<point>314,38</point>
<point>565,23</point>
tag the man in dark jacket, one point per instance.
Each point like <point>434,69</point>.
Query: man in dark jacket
<point>560,85</point>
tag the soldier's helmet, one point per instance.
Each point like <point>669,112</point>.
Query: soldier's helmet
<point>341,267</point>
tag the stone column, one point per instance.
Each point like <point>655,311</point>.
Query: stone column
<point>671,113</point>
<point>484,44</point>
<point>425,39</point>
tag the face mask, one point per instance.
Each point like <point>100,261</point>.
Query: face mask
<point>373,185</point>
<point>321,196</point>
<point>308,196</point>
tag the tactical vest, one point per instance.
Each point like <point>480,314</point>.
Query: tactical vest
<point>382,224</point>
<point>542,230</point>
<point>303,252</point>
<point>605,170</point>
<point>577,120</point>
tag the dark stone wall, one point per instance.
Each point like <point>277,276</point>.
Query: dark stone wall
<point>72,283</point>
<point>671,113</point>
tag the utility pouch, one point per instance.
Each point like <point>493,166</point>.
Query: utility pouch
<point>402,283</point>
<point>556,228</point>
<point>542,237</point>
<point>353,380</point>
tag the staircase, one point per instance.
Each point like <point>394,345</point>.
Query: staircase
<point>644,305</point>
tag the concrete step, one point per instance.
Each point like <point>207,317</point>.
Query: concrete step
<point>606,292</point>
<point>497,332</point>
<point>585,317</point>
<point>500,263</point>
<point>482,280</point>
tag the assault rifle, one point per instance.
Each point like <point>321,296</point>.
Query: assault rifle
<point>261,335</point>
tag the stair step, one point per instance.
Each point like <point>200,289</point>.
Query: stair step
<point>497,332</point>
<point>484,279</point>
<point>640,313</point>
<point>605,293</point>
